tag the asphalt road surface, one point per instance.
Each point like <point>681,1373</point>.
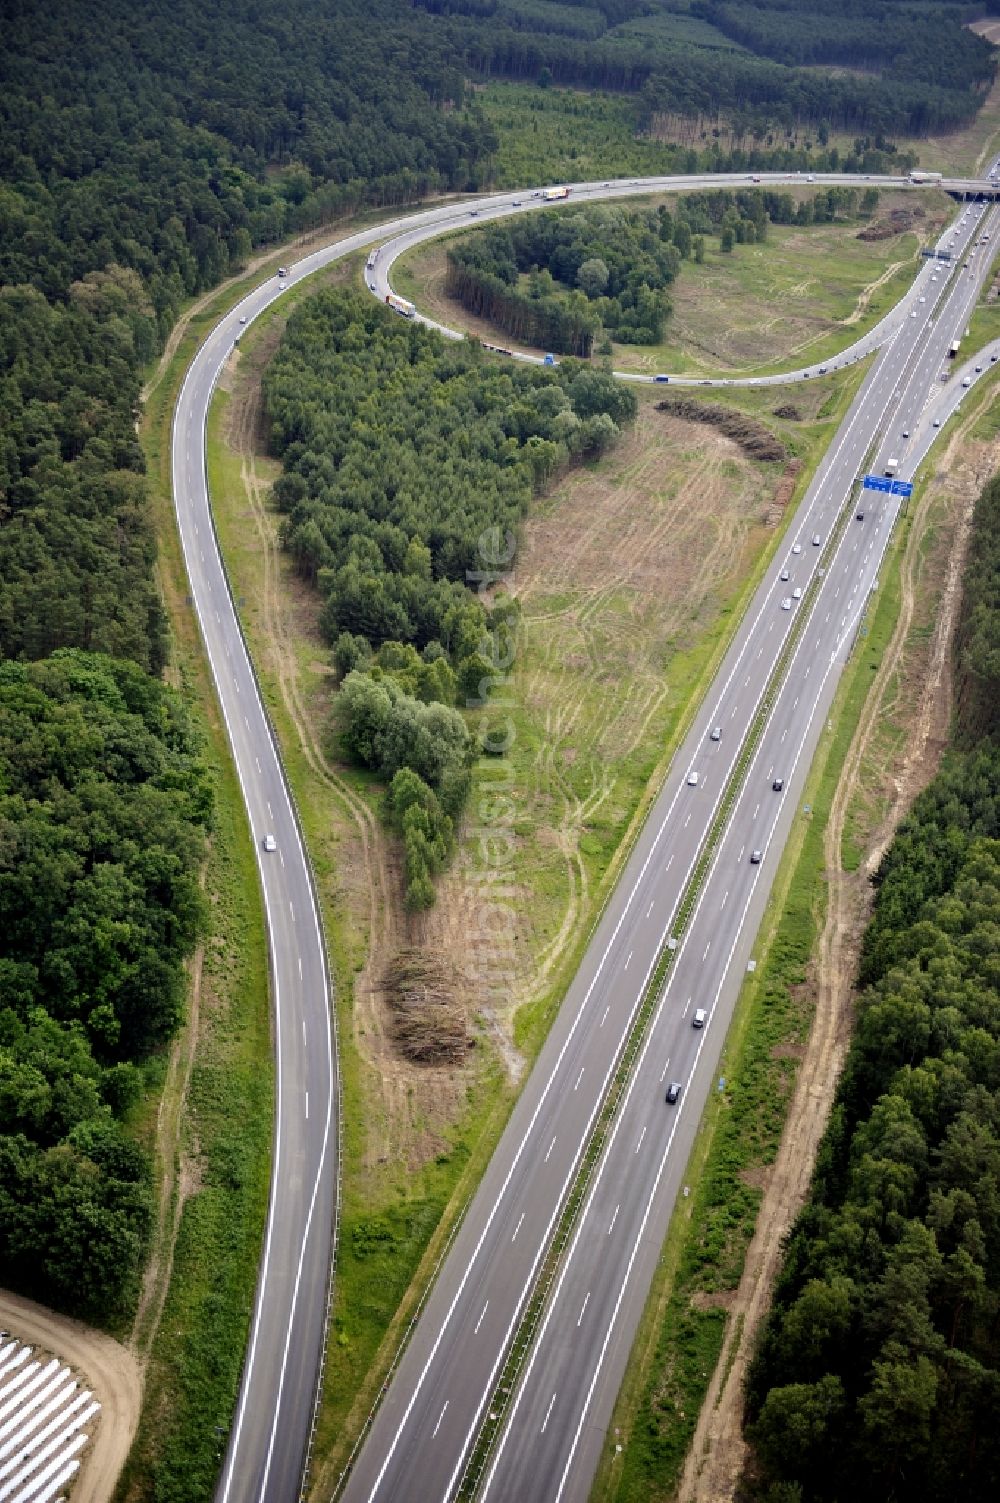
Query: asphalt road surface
<point>422,1433</point>
<point>551,1440</point>
<point>267,1444</point>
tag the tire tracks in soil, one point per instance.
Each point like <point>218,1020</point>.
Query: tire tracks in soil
<point>378,877</point>
<point>717,1453</point>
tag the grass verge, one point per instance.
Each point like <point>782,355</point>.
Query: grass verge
<point>196,1351</point>
<point>801,296</point>
<point>394,1223</point>
<point>397,1217</point>
<point>681,1335</point>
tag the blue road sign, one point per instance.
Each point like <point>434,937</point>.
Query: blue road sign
<point>902,488</point>
<point>876,483</point>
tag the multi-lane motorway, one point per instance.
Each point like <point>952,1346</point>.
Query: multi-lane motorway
<point>551,1436</point>
<point>421,1437</point>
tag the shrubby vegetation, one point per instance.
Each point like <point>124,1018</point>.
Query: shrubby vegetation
<point>409,465</point>
<point>103,804</point>
<point>877,1374</point>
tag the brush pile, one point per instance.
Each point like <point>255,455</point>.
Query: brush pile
<point>427,1021</point>
<point>754,438</point>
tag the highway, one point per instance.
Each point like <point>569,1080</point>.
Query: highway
<point>551,1437</point>
<point>267,1444</point>
<point>423,1431</point>
<point>378,272</point>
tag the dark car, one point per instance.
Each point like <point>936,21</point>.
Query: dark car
<point>778,784</point>
<point>860,514</point>
<point>673,1091</point>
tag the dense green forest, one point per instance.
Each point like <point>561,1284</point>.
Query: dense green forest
<point>977,640</point>
<point>103,805</point>
<point>143,153</point>
<point>585,268</point>
<point>407,459</point>
<point>401,451</point>
<point>772,61</point>
<point>878,1373</point>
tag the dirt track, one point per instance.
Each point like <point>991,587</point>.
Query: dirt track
<point>104,1366</point>
<point>717,1452</point>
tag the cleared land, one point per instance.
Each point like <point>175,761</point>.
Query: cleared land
<point>888,741</point>
<point>804,293</point>
<point>627,578</point>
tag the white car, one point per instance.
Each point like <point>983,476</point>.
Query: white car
<point>692,779</point>
<point>786,604</point>
<point>783,575</point>
<point>815,539</point>
<point>937,422</point>
<point>796,547</point>
<point>797,592</point>
<point>923,300</point>
<point>270,844</point>
<point>243,318</point>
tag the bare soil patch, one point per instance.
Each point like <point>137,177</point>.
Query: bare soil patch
<point>103,1365</point>
<point>718,1299</point>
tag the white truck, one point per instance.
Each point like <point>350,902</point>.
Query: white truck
<point>552,194</point>
<point>891,466</point>
<point>925,177</point>
<point>400,305</point>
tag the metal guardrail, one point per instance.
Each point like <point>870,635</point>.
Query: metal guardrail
<point>335,1237</point>
<point>523,1337</point>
